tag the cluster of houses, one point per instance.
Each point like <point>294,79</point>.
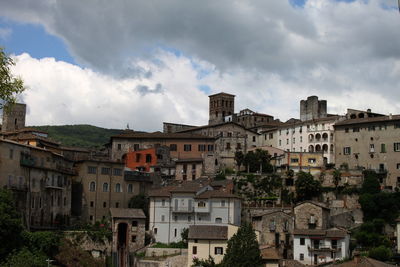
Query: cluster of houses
<point>57,186</point>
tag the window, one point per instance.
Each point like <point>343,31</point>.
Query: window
<point>222,203</point>
<point>189,218</point>
<point>287,141</point>
<point>105,187</point>
<point>371,128</point>
<point>175,232</point>
<point>202,147</point>
<point>301,256</point>
<point>155,231</point>
<point>301,139</point>
<point>92,169</point>
<point>294,140</point>
<point>162,218</point>
<point>228,145</point>
<point>311,160</point>
<point>398,166</point>
<point>91,217</point>
<point>91,204</point>
<point>105,170</point>
<point>356,129</point>
<point>218,220</point>
<point>346,130</point>
<point>104,204</point>
<point>119,146</point>
<point>201,204</point>
<point>238,146</point>
<point>135,147</point>
<point>118,188</point>
<point>138,156</point>
<point>280,142</point>
<point>229,134</point>
<point>194,250</point>
<point>254,138</point>
<point>117,205</point>
<point>210,148</point>
<point>130,188</point>
<point>302,241</point>
<point>371,148</point>
<point>187,147</point>
<point>347,150</point>
<point>173,147</point>
<point>334,244</point>
<point>133,239</point>
<point>163,202</point>
<point>117,171</point>
<point>383,148</point>
<point>92,186</point>
<point>396,147</point>
<point>148,158</point>
<point>218,251</point>
<point>11,154</point>
<point>294,160</point>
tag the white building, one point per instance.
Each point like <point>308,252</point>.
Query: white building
<point>314,246</point>
<point>174,208</point>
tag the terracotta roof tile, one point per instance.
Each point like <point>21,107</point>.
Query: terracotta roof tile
<point>160,135</point>
<point>127,213</point>
<point>209,232</point>
<point>368,120</point>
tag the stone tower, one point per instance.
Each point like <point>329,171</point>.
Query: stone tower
<point>221,105</point>
<point>14,119</point>
<point>312,108</point>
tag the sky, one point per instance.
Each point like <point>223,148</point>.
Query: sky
<point>141,63</point>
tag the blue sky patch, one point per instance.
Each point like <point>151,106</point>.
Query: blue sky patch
<point>33,39</point>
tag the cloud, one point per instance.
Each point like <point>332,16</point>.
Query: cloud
<point>162,56</point>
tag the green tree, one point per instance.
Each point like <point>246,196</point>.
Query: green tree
<point>307,187</point>
<point>243,249</point>
<point>10,86</point>
<point>185,236</point>
<point>10,224</point>
<point>25,258</point>
<point>371,183</point>
<point>239,158</point>
<point>337,176</point>
<point>266,185</point>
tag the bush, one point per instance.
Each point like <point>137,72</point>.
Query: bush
<point>380,253</point>
<point>25,258</point>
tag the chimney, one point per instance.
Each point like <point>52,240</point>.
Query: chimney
<point>369,110</point>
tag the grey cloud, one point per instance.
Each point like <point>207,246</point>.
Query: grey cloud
<point>144,89</point>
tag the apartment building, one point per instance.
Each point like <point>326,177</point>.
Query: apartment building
<point>176,207</point>
<point>101,185</point>
<point>41,181</point>
<point>371,143</point>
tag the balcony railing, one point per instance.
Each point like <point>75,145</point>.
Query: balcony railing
<point>324,249</point>
<point>182,209</point>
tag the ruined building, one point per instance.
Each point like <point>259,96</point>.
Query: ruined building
<point>312,108</point>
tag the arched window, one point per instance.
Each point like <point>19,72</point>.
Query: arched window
<point>311,148</point>
<point>317,148</point>
<point>317,136</point>
<point>118,188</point>
<point>311,137</point>
<point>325,148</point>
<point>105,187</point>
<point>218,220</point>
<point>325,137</point>
<point>92,186</point>
<point>130,188</point>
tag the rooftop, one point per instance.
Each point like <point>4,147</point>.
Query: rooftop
<point>127,213</point>
<point>160,135</point>
<point>368,120</point>
<point>209,232</point>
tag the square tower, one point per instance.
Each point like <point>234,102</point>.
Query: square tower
<point>221,105</point>
<point>14,118</point>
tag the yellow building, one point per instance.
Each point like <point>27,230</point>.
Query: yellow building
<point>209,240</point>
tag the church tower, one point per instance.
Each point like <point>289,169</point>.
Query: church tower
<point>221,105</point>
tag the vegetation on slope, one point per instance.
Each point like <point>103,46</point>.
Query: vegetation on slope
<point>87,136</point>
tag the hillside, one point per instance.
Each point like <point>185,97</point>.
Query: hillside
<point>87,136</point>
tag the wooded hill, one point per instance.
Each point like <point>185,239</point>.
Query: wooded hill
<point>82,135</point>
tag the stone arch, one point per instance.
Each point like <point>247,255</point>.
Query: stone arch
<point>311,148</point>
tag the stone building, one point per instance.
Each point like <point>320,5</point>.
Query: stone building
<point>250,119</point>
<point>312,108</point>
<point>14,118</point>
<point>229,137</point>
<point>276,229</point>
<point>176,207</point>
<point>313,241</point>
<point>221,105</point>
<point>41,181</point>
<point>101,185</point>
<point>370,143</point>
<point>128,230</point>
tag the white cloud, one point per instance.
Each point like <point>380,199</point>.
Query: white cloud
<point>268,53</point>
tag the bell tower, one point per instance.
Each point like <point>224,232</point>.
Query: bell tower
<point>221,105</point>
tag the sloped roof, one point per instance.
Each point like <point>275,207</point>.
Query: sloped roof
<point>270,254</point>
<point>221,93</point>
<point>368,120</point>
<point>160,135</point>
<point>216,194</point>
<point>319,204</point>
<point>127,213</point>
<point>330,233</point>
<point>209,232</point>
<point>215,125</point>
<point>364,262</point>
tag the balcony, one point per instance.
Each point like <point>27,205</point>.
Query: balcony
<point>182,209</point>
<point>27,161</point>
<point>205,209</point>
<point>57,187</point>
<point>324,249</point>
<point>66,170</point>
<point>18,187</point>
